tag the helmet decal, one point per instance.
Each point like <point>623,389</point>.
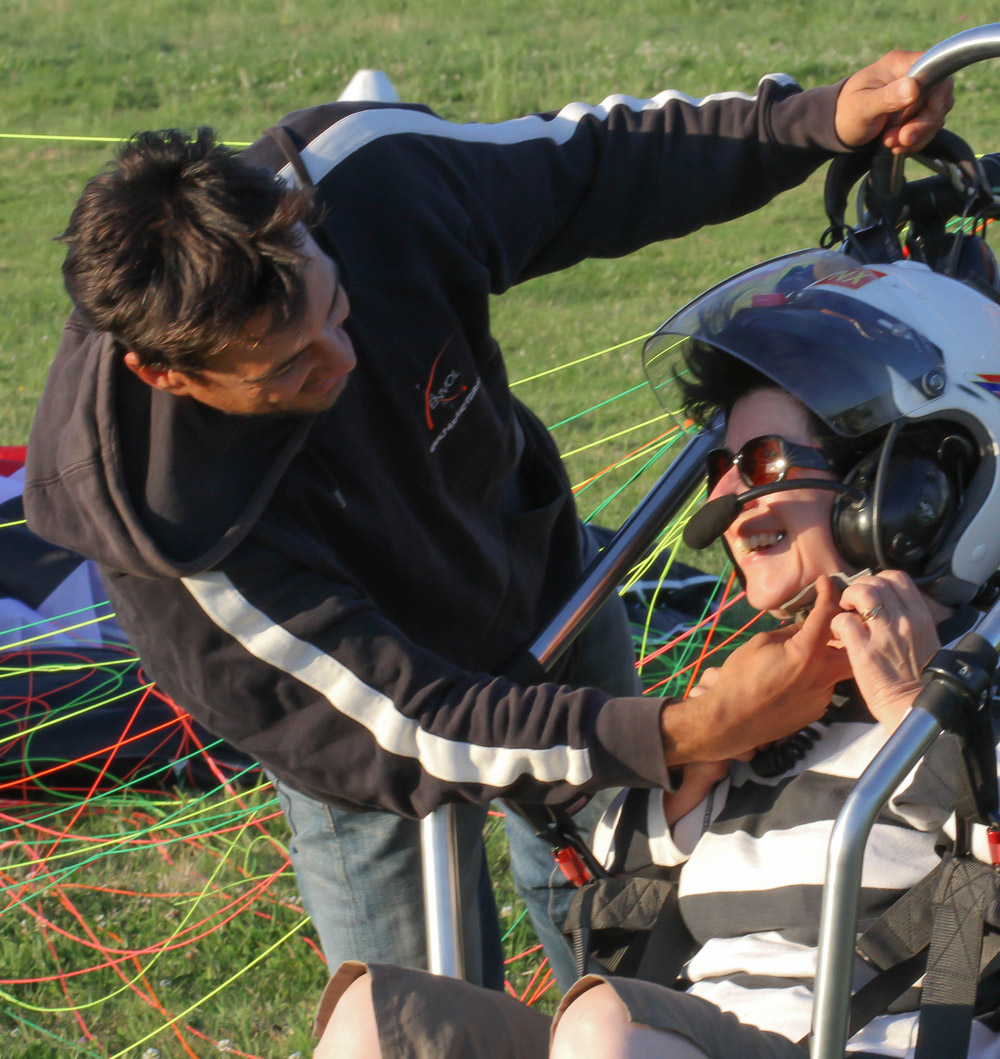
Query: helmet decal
<point>990,383</point>
<point>852,278</point>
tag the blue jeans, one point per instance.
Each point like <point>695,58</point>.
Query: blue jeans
<point>360,880</point>
<point>359,873</point>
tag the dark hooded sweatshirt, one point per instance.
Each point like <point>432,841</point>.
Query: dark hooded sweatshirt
<point>336,594</point>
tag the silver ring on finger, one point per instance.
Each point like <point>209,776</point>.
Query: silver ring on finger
<point>869,615</point>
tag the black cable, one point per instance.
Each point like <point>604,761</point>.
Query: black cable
<point>878,491</point>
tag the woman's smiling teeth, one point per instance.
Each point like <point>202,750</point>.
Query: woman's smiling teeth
<point>757,542</point>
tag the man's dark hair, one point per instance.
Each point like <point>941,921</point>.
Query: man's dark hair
<point>180,244</point>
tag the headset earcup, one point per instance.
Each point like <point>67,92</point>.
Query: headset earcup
<point>852,527</point>
<point>917,504</point>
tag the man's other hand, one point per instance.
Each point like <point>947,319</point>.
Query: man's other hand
<point>882,100</point>
<point>769,688</point>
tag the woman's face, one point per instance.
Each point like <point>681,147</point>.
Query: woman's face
<point>781,542</point>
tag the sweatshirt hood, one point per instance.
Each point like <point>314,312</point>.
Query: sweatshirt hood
<point>139,480</point>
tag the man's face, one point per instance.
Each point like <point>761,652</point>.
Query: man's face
<point>300,370</point>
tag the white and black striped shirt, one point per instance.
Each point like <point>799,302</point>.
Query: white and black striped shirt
<point>754,859</point>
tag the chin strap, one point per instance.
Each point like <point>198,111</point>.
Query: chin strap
<point>802,602</point>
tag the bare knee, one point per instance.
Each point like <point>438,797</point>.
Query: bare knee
<point>596,1023</point>
<point>351,1032</point>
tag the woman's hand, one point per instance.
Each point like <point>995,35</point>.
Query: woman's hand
<point>889,636</point>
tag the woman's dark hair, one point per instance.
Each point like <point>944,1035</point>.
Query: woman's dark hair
<point>716,380</point>
<point>181,244</point>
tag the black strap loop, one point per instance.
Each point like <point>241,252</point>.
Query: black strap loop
<point>286,145</point>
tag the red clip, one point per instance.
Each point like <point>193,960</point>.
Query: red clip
<point>571,865</point>
<point>993,838</point>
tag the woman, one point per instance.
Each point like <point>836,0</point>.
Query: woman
<point>752,835</point>
<point>750,888</point>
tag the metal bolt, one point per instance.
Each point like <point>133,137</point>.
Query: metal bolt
<point>933,383</point>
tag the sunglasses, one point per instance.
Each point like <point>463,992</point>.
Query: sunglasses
<point>763,461</point>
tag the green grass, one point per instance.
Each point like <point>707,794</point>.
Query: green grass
<point>133,875</point>
<point>105,69</point>
<point>203,884</point>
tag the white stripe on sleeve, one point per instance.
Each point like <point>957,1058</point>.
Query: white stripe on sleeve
<point>445,759</point>
<point>345,137</point>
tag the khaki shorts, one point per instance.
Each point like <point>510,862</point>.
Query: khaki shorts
<point>719,1034</point>
<point>422,1016</point>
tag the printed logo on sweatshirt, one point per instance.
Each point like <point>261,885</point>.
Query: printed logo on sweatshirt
<point>446,397</point>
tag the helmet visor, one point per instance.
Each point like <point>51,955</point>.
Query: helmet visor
<point>806,322</point>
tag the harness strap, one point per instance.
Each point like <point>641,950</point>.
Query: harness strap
<point>904,929</point>
<point>630,927</point>
<point>669,945</point>
<point>936,929</point>
<point>965,900</point>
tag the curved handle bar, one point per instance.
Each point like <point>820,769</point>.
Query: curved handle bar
<point>944,59</point>
<point>951,55</point>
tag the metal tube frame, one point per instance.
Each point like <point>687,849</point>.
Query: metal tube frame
<point>442,911</point>
<point>838,917</point>
<point>661,504</point>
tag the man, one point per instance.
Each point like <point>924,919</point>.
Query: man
<point>326,524</point>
